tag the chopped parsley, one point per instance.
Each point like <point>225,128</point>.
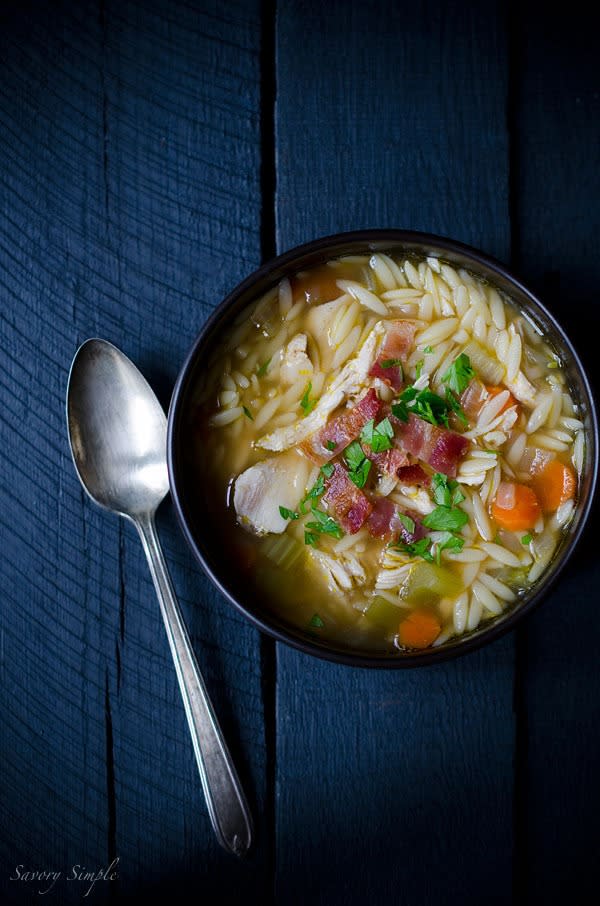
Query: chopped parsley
<point>330,445</point>
<point>262,370</point>
<point>306,402</point>
<point>247,413</point>
<point>446,491</point>
<point>419,368</point>
<point>420,548</point>
<point>378,438</point>
<point>358,464</point>
<point>424,403</point>
<point>455,406</point>
<point>311,538</point>
<point>526,539</point>
<point>322,525</point>
<point>288,514</point>
<point>459,375</point>
<point>407,522</point>
<point>316,622</point>
<point>318,488</point>
<point>445,519</point>
<point>428,350</point>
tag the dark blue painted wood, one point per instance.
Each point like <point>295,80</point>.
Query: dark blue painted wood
<point>130,204</point>
<point>557,203</point>
<point>394,787</point>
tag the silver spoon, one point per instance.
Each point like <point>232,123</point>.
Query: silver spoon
<point>118,430</point>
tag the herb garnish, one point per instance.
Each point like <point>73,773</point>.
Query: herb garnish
<point>445,519</point>
<point>378,438</point>
<point>527,539</point>
<point>330,445</point>
<point>407,522</point>
<point>358,464</point>
<point>419,368</point>
<point>428,350</point>
<point>459,374</point>
<point>323,525</point>
<point>316,621</point>
<point>288,514</point>
<point>427,405</point>
<point>263,368</point>
<point>424,403</point>
<point>328,469</point>
<point>446,492</point>
<point>306,403</point>
<point>247,413</point>
<point>421,548</point>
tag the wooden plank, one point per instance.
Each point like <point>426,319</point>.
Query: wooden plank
<point>393,786</point>
<point>556,200</point>
<point>130,201</point>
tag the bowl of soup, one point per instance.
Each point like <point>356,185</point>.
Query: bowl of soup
<point>382,448</point>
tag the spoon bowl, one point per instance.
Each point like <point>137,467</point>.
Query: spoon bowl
<point>118,432</point>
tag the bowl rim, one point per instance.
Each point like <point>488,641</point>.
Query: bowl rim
<point>280,631</point>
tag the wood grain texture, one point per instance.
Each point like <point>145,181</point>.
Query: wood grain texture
<point>557,202</point>
<point>394,786</point>
<point>130,202</point>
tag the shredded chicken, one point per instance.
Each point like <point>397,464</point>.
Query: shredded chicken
<point>353,378</point>
<point>295,362</point>
<point>264,487</point>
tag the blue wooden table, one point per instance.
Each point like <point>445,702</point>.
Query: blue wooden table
<point>152,154</point>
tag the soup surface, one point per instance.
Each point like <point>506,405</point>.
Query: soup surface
<point>391,450</point>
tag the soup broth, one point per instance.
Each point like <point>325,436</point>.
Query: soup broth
<point>390,449</point>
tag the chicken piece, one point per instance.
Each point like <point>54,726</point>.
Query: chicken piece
<point>295,362</point>
<point>353,377</point>
<point>522,389</point>
<point>263,488</point>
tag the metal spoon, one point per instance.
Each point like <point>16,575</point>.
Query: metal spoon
<point>117,430</point>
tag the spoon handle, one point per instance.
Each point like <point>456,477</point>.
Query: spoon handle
<point>226,802</point>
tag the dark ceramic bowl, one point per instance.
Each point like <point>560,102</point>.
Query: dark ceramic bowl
<point>184,479</point>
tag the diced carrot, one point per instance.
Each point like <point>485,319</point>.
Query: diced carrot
<point>419,630</point>
<point>318,285</point>
<point>511,401</point>
<point>554,485</point>
<point>516,507</point>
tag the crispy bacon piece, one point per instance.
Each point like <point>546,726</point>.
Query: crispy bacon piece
<point>342,430</point>
<point>350,506</point>
<point>438,447</point>
<point>473,398</point>
<point>384,523</point>
<point>414,474</point>
<point>398,341</point>
<point>390,462</point>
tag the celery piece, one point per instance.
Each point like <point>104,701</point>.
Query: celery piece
<point>283,550</point>
<point>427,582</point>
<point>384,615</point>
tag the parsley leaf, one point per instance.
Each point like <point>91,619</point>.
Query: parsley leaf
<point>247,413</point>
<point>526,539</point>
<point>262,370</point>
<point>456,406</point>
<point>379,438</point>
<point>306,403</point>
<point>419,368</point>
<point>445,518</point>
<point>428,350</point>
<point>311,538</point>
<point>353,454</point>
<point>328,469</point>
<point>407,522</point>
<point>316,491</point>
<point>446,491</point>
<point>420,548</point>
<point>358,464</point>
<point>459,374</point>
<point>316,621</point>
<point>330,445</point>
<point>448,541</point>
<point>288,514</point>
<point>324,524</point>
<point>400,410</point>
